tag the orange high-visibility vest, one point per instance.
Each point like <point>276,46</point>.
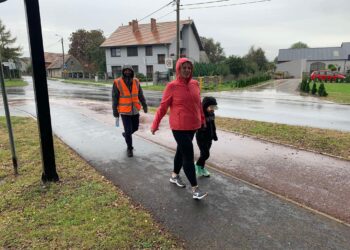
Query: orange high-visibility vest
<point>127,99</point>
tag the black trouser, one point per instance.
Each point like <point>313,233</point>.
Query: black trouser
<point>184,154</point>
<point>131,124</point>
<point>204,148</point>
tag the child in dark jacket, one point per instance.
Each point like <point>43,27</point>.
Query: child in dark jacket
<point>205,135</point>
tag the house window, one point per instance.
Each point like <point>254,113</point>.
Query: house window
<point>149,71</point>
<point>132,51</point>
<point>135,68</point>
<point>116,71</point>
<point>161,58</point>
<point>335,53</point>
<point>182,52</point>
<point>149,51</point>
<point>181,35</point>
<point>348,57</point>
<point>115,52</point>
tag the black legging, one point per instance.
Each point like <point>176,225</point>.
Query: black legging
<point>184,154</point>
<point>204,148</point>
<point>131,124</point>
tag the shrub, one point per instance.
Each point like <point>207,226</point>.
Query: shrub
<point>314,89</point>
<point>304,85</point>
<point>210,69</point>
<point>322,90</point>
<point>141,77</point>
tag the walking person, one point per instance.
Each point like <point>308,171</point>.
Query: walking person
<point>186,116</point>
<point>127,98</point>
<point>205,135</point>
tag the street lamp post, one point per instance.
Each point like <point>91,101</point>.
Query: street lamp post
<point>177,29</point>
<point>8,116</point>
<point>63,63</point>
<point>41,91</point>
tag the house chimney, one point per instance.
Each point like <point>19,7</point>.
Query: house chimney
<point>153,25</point>
<point>135,26</point>
<point>130,23</point>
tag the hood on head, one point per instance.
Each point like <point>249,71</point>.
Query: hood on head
<point>178,68</point>
<point>128,67</point>
<point>207,101</point>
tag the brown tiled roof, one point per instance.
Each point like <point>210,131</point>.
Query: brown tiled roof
<point>124,35</point>
<point>50,57</point>
<point>57,63</point>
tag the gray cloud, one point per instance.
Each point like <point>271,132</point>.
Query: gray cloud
<point>269,25</point>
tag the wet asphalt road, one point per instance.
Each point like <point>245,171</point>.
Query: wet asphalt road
<point>275,102</point>
<point>233,216</point>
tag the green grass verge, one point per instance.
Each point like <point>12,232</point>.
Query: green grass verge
<point>320,140</point>
<point>15,83</point>
<point>337,92</point>
<point>83,211</point>
<point>86,82</point>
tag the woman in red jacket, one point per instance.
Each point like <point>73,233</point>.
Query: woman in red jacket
<point>186,116</point>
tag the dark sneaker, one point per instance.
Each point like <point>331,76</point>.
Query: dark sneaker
<point>197,194</point>
<point>177,180</point>
<point>129,152</point>
<point>205,172</point>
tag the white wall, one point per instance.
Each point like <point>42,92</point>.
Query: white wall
<point>190,43</point>
<point>294,68</point>
<point>141,60</point>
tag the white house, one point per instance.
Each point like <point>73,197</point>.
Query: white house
<point>297,61</point>
<point>146,46</point>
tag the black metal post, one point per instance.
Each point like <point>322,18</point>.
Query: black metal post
<point>41,91</point>
<point>8,120</point>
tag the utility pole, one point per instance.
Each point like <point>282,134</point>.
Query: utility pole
<point>177,29</point>
<point>63,64</point>
<point>41,91</point>
<point>8,119</point>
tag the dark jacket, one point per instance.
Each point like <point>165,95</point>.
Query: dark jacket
<point>208,133</point>
<point>116,94</point>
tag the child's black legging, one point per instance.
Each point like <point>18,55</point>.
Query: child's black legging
<point>204,153</point>
<point>184,154</point>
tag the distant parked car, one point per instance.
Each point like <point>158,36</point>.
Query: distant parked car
<point>326,75</point>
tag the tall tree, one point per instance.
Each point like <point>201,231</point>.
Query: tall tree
<point>236,64</point>
<point>7,51</point>
<point>213,49</point>
<point>256,59</point>
<point>299,45</point>
<point>85,46</point>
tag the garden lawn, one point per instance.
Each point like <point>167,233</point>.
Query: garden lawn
<point>325,141</point>
<point>337,92</point>
<point>82,211</point>
<point>15,83</point>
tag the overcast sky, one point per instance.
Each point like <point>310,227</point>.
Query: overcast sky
<point>271,25</point>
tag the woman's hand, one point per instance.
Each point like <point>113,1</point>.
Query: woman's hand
<point>153,131</point>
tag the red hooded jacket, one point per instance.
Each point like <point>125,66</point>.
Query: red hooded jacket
<point>183,97</point>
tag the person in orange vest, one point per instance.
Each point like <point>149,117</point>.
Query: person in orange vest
<point>127,98</point>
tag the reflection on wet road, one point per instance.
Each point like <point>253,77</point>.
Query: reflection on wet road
<point>277,102</point>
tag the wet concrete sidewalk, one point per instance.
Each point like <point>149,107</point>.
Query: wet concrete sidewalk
<point>235,215</point>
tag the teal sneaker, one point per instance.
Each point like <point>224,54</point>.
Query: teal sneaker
<point>198,170</point>
<point>205,172</point>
